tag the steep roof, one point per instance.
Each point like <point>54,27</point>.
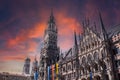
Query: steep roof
<point>114,31</point>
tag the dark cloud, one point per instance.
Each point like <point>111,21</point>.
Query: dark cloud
<point>22,22</point>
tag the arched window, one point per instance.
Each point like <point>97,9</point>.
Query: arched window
<point>92,44</point>
<point>83,60</point>
<point>69,67</point>
<point>96,56</point>
<point>87,47</point>
<point>83,70</point>
<point>103,54</point>
<point>89,69</point>
<point>64,69</point>
<point>81,49</point>
<point>74,74</point>
<point>107,77</point>
<point>96,67</point>
<point>74,65</point>
<point>89,58</point>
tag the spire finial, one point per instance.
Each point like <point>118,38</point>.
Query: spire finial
<point>88,22</point>
<point>104,33</point>
<point>83,23</point>
<point>75,38</point>
<point>52,20</point>
<point>95,26</point>
<point>51,11</point>
<point>79,37</point>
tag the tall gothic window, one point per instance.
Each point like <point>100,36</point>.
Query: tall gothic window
<point>69,67</point>
<point>96,56</point>
<point>89,69</point>
<point>74,65</point>
<point>118,50</point>
<point>89,59</point>
<point>118,63</point>
<point>64,69</point>
<point>74,74</point>
<point>103,54</point>
<point>84,61</point>
<point>96,67</point>
<point>83,71</point>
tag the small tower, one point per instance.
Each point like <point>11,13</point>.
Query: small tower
<point>35,66</point>
<point>76,54</point>
<point>108,48</point>
<point>103,30</point>
<point>26,67</point>
<point>34,69</point>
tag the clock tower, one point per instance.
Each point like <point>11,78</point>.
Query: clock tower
<point>50,41</point>
<point>50,52</point>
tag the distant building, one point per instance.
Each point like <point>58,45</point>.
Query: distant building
<point>93,57</point>
<point>26,67</point>
<point>35,68</point>
<point>7,76</point>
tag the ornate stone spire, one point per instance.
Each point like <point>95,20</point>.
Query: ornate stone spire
<point>51,19</point>
<point>75,38</point>
<point>104,32</point>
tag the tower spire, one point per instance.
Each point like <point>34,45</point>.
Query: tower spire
<point>75,38</point>
<point>83,23</point>
<point>79,37</point>
<point>104,32</point>
<point>52,12</point>
<point>76,53</point>
<point>95,27</point>
<point>51,20</point>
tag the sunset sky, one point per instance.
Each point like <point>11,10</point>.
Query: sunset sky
<point>22,24</point>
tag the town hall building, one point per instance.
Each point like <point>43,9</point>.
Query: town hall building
<point>92,57</point>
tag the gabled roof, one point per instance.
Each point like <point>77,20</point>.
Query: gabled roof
<point>114,31</point>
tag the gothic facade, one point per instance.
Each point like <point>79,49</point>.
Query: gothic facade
<point>115,39</point>
<point>34,68</point>
<point>91,58</point>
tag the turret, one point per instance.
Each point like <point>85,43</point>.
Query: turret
<point>103,31</point>
<point>26,67</point>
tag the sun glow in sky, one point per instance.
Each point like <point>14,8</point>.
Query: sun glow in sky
<point>22,25</point>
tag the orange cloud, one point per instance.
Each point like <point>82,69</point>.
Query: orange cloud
<point>32,46</point>
<point>67,24</point>
<point>37,31</point>
<point>18,57</point>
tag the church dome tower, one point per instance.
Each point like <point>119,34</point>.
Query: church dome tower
<point>26,67</point>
